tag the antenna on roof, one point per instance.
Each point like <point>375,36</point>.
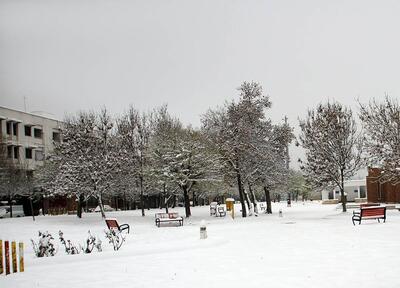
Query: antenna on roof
<point>25,103</point>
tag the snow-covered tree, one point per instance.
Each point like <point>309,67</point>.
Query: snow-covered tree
<point>134,131</point>
<point>268,160</point>
<point>243,136</point>
<point>166,131</point>
<point>86,159</point>
<point>381,121</point>
<point>180,156</point>
<point>333,146</point>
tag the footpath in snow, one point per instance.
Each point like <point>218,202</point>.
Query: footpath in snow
<point>312,245</point>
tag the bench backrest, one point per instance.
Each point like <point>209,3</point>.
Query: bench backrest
<point>373,211</point>
<point>112,224</point>
<point>171,215</point>
<point>369,205</point>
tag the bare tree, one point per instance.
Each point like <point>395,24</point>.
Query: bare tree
<point>381,121</point>
<point>332,144</point>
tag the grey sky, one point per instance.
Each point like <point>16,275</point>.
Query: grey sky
<point>64,56</point>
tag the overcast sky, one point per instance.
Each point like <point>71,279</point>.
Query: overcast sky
<point>65,56</point>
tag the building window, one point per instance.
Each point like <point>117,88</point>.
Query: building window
<point>16,152</point>
<point>39,155</point>
<point>15,129</point>
<point>28,153</point>
<point>56,137</point>
<point>8,127</point>
<point>9,151</point>
<point>363,193</point>
<point>28,130</point>
<point>37,133</point>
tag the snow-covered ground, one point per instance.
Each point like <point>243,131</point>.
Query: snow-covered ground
<point>312,245</point>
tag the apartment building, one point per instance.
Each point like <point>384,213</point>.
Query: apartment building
<point>28,137</point>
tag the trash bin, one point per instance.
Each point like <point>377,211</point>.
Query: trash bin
<point>229,204</point>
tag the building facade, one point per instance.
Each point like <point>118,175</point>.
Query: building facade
<point>381,192</point>
<point>354,190</point>
<point>28,137</point>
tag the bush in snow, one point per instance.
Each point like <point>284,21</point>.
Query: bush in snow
<point>70,248</point>
<point>114,238</point>
<point>45,245</point>
<point>91,243</point>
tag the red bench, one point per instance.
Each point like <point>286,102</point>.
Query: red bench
<point>168,218</point>
<point>369,205</point>
<point>371,212</point>
<point>112,224</point>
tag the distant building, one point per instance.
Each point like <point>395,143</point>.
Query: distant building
<point>354,190</point>
<point>28,137</point>
<point>381,192</point>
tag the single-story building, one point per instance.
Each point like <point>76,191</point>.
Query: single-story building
<point>354,189</point>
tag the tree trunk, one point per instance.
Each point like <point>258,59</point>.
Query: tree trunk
<point>343,197</point>
<point>141,195</point>
<point>247,198</point>
<point>194,199</point>
<point>100,200</point>
<point>174,203</point>
<point>80,206</point>
<point>166,203</point>
<point>10,203</point>
<point>31,204</point>
<point>241,196</point>
<point>43,208</point>
<point>268,200</point>
<point>253,199</point>
<point>186,200</point>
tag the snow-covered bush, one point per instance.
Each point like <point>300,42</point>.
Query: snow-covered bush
<point>114,238</point>
<point>70,248</point>
<point>45,246</point>
<point>91,243</point>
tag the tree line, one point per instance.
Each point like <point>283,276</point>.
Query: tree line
<point>237,150</point>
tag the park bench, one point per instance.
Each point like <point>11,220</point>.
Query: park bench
<point>221,212</point>
<point>112,224</point>
<point>168,218</point>
<point>114,233</point>
<point>369,205</point>
<point>371,212</point>
<point>263,206</point>
<point>213,208</point>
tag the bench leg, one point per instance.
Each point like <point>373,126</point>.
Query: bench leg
<point>379,221</point>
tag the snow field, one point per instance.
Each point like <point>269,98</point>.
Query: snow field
<point>312,245</point>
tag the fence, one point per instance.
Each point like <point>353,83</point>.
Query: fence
<point>5,263</point>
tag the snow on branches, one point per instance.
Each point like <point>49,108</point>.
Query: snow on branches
<point>332,144</point>
<point>381,121</point>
